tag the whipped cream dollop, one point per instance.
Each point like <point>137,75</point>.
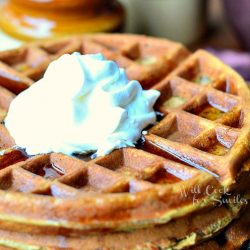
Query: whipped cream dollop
<point>84,103</point>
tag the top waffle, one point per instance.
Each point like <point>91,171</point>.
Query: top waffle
<point>201,139</point>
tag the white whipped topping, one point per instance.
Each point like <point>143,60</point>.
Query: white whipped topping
<point>83,104</point>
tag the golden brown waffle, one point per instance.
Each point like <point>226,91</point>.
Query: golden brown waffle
<point>200,147</point>
<point>174,235</point>
<point>212,96</point>
<point>236,236</point>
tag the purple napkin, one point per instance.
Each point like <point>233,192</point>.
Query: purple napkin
<point>240,61</point>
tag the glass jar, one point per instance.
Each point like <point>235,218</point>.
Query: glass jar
<point>40,19</point>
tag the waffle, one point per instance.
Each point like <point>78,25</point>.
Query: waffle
<point>166,191</point>
<point>234,237</point>
<point>174,235</point>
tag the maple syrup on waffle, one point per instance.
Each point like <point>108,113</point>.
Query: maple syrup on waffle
<point>50,171</point>
<point>163,177</point>
<point>207,111</point>
<point>217,149</point>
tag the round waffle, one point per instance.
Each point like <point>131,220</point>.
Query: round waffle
<point>177,234</point>
<point>197,153</point>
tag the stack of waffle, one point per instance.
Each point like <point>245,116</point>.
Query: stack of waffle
<point>183,186</point>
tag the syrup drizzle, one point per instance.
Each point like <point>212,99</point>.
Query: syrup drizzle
<point>163,177</point>
<point>51,171</point>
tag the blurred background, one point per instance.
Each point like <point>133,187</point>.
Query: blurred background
<point>220,26</point>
